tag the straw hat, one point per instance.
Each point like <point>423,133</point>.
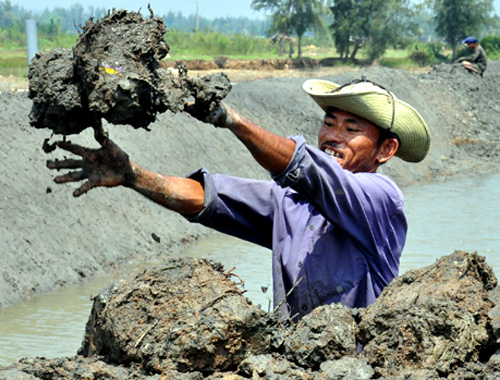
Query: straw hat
<point>381,107</point>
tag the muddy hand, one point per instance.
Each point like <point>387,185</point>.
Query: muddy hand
<point>107,166</point>
<point>221,116</point>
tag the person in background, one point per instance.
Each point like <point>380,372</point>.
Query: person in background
<point>477,61</point>
<point>335,226</point>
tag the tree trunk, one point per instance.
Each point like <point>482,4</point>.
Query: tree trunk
<point>299,47</point>
<point>357,46</point>
<point>281,49</point>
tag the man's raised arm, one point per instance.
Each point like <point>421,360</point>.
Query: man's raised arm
<point>271,151</point>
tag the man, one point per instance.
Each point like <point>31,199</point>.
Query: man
<point>477,61</point>
<point>336,228</point>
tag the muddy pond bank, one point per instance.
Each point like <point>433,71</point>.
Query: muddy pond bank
<point>190,320</point>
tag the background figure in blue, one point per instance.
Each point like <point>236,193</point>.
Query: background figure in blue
<point>336,227</point>
<point>477,61</point>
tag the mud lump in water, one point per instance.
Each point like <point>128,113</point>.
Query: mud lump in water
<point>114,73</point>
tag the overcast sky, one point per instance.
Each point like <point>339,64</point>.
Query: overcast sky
<point>206,8</point>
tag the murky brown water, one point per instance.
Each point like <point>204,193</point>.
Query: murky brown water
<point>454,213</point>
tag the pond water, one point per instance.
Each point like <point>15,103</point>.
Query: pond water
<point>453,213</point>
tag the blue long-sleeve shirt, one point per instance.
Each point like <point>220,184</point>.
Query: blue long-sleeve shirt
<point>334,235</point>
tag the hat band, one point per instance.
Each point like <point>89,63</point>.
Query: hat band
<point>363,79</point>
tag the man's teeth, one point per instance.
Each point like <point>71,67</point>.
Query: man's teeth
<point>332,153</point>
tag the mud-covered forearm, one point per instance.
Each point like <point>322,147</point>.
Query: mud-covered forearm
<point>182,195</point>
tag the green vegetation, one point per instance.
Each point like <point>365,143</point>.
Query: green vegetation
<point>369,24</point>
<point>211,44</point>
<point>491,45</point>
<point>456,19</point>
<point>13,63</point>
<point>293,17</point>
<point>425,54</point>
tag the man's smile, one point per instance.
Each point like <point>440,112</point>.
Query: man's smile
<point>332,152</point>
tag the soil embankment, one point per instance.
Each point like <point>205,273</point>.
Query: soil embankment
<point>189,320</point>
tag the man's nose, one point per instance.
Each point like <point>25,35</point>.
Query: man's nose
<point>334,134</point>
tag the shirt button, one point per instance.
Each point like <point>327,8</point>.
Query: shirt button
<point>311,227</point>
<point>299,264</point>
<point>304,307</point>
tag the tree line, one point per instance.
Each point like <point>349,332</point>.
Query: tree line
<point>349,25</point>
<point>69,20</point>
<point>377,24</point>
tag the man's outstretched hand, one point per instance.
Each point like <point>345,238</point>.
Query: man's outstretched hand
<point>222,116</point>
<point>108,166</point>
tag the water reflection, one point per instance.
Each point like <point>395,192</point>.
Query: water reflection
<point>456,213</point>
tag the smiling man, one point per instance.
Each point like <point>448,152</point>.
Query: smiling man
<point>336,227</point>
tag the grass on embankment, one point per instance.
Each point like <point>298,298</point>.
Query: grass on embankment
<point>201,46</point>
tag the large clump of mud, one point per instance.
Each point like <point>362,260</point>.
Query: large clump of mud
<point>187,317</point>
<point>435,318</point>
<point>114,73</point>
<point>189,320</point>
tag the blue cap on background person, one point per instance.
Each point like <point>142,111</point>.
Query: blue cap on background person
<point>470,40</point>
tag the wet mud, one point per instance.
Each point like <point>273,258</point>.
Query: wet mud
<point>191,320</point>
<point>114,73</point>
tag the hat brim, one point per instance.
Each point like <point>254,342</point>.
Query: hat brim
<point>376,105</point>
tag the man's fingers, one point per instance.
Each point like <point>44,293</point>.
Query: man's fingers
<point>82,189</point>
<point>70,177</point>
<point>101,135</point>
<point>64,164</point>
<point>73,148</point>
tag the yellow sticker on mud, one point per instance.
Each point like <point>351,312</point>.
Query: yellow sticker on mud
<point>110,70</point>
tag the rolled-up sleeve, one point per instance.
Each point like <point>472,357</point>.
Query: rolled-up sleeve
<point>236,206</point>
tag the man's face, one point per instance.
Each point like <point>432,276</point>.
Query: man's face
<point>351,140</point>
<point>472,45</point>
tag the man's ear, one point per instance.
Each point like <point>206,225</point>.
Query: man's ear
<point>387,149</point>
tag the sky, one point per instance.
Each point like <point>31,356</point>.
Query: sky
<point>206,8</point>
